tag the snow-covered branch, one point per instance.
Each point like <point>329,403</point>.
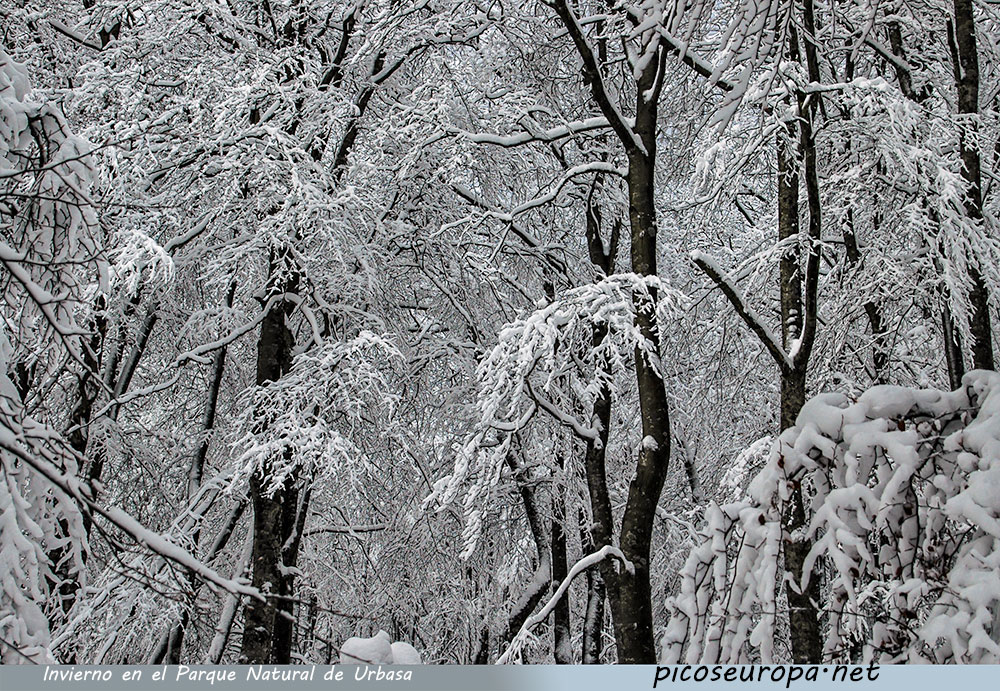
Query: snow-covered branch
<point>903,510</point>
<point>543,136</point>
<point>522,637</point>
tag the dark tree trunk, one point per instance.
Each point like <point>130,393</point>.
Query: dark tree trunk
<point>800,307</point>
<point>601,529</point>
<point>803,616</point>
<point>688,458</point>
<point>880,341</point>
<point>967,78</point>
<point>632,605</point>
<point>541,580</point>
<point>293,523</point>
<point>81,418</point>
<point>952,348</point>
<point>880,338</point>
<point>629,592</point>
<point>799,301</point>
<point>271,509</point>
<point>593,618</point>
<point>561,646</point>
<point>65,577</point>
<point>482,656</point>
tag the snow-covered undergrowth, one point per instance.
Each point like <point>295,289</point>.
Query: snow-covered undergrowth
<point>903,487</point>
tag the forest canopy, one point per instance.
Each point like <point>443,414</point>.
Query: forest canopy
<point>461,331</point>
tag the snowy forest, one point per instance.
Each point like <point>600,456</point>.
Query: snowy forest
<point>511,331</point>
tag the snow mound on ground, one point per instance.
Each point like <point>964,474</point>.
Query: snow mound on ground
<point>405,654</point>
<point>378,650</point>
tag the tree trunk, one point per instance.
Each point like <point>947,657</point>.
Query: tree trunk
<point>271,509</point>
<point>952,348</point>
<point>562,649</point>
<point>601,528</point>
<point>632,605</point>
<point>967,77</point>
<point>803,616</point>
<point>593,619</point>
<point>880,341</point>
<point>293,523</point>
<point>228,616</point>
<point>966,69</point>
<point>800,307</point>
<point>540,583</point>
<point>629,592</point>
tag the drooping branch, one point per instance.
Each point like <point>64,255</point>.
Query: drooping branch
<point>579,567</point>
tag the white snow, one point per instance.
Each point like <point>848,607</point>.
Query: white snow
<point>363,651</point>
<point>405,654</point>
<point>378,650</point>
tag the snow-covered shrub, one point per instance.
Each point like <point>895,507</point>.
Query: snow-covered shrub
<point>903,487</point>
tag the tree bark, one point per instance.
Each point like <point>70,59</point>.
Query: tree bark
<point>632,605</point>
<point>541,580</point>
<point>593,618</point>
<point>561,646</point>
<point>967,78</point>
<point>274,512</point>
<point>630,592</point>
<point>880,344</point>
<point>798,337</point>
<point>952,348</point>
<point>601,529</point>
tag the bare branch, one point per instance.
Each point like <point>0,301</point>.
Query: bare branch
<point>747,313</point>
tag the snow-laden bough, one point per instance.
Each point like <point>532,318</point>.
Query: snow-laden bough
<point>903,490</point>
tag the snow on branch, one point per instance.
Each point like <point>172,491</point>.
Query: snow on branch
<point>307,418</point>
<point>44,501</point>
<point>523,636</point>
<point>548,359</point>
<point>53,226</point>
<point>622,126</point>
<point>901,491</point>
<point>544,136</point>
<point>34,517</point>
<point>695,62</point>
<point>553,193</point>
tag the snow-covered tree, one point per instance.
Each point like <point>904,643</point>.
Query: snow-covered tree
<point>900,486</point>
